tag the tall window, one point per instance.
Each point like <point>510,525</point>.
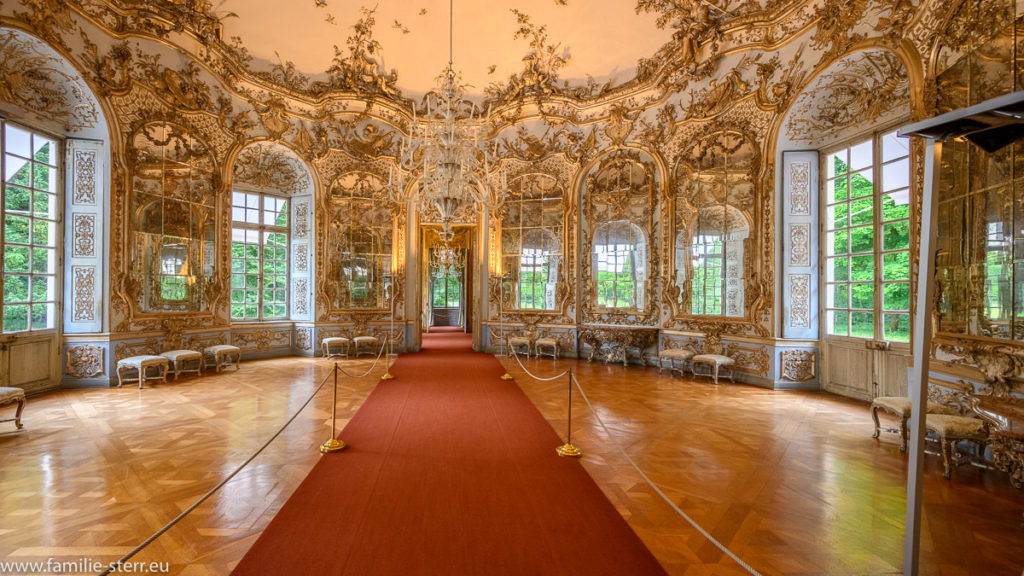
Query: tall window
<point>619,256</point>
<point>259,256</point>
<point>30,207</point>
<point>867,263</point>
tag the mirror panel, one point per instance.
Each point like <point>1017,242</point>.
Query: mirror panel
<point>359,242</point>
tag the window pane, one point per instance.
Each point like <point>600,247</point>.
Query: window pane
<point>861,155</point>
<point>896,236</point>
<point>896,266</point>
<point>838,322</point>
<point>838,270</point>
<point>861,184</point>
<point>17,199</point>
<point>17,171</point>
<point>837,190</point>
<point>16,288</point>
<point>44,260</point>
<point>45,150</point>
<point>836,163</point>
<point>862,239</point>
<point>896,205</point>
<point>896,175</point>
<point>838,216</point>
<point>15,317</point>
<point>862,211</point>
<point>894,147</point>
<point>862,296</point>
<point>16,259</point>
<point>17,141</point>
<point>42,316</point>
<point>862,324</point>
<point>839,241</point>
<point>41,286</point>
<point>896,327</point>
<point>16,229</point>
<point>896,296</point>
<point>862,267</point>
<point>838,296</point>
<point>44,178</point>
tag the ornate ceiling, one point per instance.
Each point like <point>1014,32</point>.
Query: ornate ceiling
<point>602,39</point>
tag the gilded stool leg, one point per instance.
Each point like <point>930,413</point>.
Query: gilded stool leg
<point>17,415</point>
<point>947,448</point>
<point>904,433</point>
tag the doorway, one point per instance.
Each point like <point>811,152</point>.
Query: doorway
<point>448,278</point>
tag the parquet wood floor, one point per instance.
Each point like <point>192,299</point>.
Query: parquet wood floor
<point>792,482</point>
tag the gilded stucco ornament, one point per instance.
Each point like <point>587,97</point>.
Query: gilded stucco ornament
<point>33,77</point>
<point>798,365</point>
<point>86,361</point>
<point>265,166</point>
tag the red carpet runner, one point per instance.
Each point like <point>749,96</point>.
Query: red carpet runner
<point>449,470</point>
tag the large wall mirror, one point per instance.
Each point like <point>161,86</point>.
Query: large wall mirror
<point>173,236</point>
<point>532,243</point>
<point>619,212</point>
<point>980,238</point>
<point>361,228</point>
<point>712,219</point>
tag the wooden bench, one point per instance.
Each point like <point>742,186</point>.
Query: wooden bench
<point>10,396</point>
<point>140,364</point>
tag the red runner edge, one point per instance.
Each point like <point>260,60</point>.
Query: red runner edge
<point>449,470</point>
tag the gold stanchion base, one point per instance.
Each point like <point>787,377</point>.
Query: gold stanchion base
<point>332,445</point>
<point>387,376</point>
<point>569,450</point>
<point>506,376</point>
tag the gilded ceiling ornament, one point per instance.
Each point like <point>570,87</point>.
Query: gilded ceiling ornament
<point>719,94</point>
<point>274,116</point>
<point>37,80</point>
<point>361,70</point>
<point>539,77</point>
<point>857,90</point>
<point>620,124</point>
<point>49,19</point>
<point>778,84</point>
<point>835,22</point>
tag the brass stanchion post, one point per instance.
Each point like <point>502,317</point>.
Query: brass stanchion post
<point>501,320</point>
<point>568,449</point>
<point>333,444</point>
<point>387,365</point>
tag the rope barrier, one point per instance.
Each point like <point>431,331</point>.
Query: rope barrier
<point>531,374</point>
<point>205,497</point>
<point>374,365</point>
<point>654,486</point>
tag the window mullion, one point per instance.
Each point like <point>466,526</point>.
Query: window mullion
<point>876,202</point>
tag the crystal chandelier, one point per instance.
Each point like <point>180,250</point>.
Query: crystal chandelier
<point>447,152</point>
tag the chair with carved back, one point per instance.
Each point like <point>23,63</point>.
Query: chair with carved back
<point>713,356</point>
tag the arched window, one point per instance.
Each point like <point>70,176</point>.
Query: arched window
<point>619,264</point>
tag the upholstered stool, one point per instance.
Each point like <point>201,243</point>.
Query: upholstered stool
<point>222,355</point>
<point>714,362</point>
<point>10,396</point>
<point>140,364</point>
<point>339,341</point>
<point>674,355</point>
<point>178,358</point>
<point>951,429</point>
<point>899,406</point>
<point>546,343</point>
<point>514,341</point>
<point>371,341</point>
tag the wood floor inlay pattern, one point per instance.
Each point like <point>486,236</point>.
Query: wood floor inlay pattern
<point>791,482</point>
